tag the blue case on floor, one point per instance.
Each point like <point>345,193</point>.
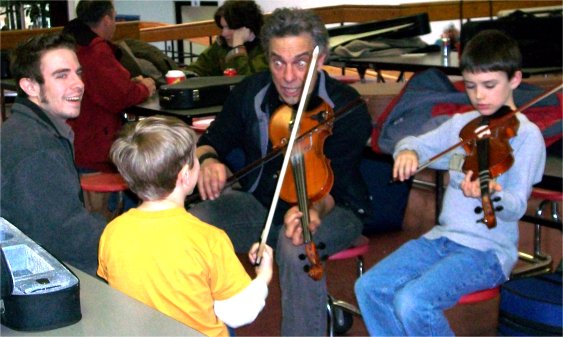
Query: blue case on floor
<point>531,306</point>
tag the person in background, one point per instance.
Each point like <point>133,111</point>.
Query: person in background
<point>162,255</point>
<point>109,86</point>
<point>289,37</point>
<point>406,293</point>
<point>40,191</point>
<point>238,47</point>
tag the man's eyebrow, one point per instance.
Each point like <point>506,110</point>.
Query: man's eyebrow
<point>298,56</point>
<point>60,71</point>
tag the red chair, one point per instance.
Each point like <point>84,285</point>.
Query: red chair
<point>101,182</point>
<point>539,262</point>
<point>340,313</point>
<point>479,296</point>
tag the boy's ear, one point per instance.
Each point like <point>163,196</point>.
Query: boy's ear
<point>516,79</point>
<point>184,175</point>
<point>29,86</point>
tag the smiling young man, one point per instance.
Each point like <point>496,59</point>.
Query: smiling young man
<point>289,36</point>
<point>41,192</point>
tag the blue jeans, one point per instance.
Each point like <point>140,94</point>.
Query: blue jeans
<point>406,293</point>
<point>303,299</point>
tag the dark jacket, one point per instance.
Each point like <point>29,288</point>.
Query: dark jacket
<point>243,124</point>
<point>41,192</point>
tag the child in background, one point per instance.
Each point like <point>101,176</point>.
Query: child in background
<point>407,292</point>
<point>165,257</point>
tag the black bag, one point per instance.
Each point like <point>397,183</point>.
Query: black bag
<point>531,306</point>
<point>197,92</point>
<point>388,201</point>
<point>39,293</point>
<point>539,37</point>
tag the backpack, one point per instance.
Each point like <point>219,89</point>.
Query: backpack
<point>429,98</point>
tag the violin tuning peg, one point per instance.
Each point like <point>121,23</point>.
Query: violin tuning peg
<point>499,208</point>
<point>324,257</point>
<point>321,245</point>
<point>306,268</point>
<point>478,210</point>
<point>496,199</point>
<point>302,257</point>
<point>480,221</point>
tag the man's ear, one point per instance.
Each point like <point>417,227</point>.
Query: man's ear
<point>321,61</point>
<point>29,86</point>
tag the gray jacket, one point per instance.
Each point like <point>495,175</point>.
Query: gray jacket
<point>41,192</point>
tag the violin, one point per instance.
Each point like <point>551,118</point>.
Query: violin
<point>311,177</point>
<point>490,154</point>
<point>315,270</point>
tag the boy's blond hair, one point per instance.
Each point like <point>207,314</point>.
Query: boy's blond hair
<point>149,155</point>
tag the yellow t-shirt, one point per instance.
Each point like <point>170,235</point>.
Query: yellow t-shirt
<point>173,262</point>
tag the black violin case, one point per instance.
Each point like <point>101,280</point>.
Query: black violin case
<point>197,92</point>
<point>538,34</point>
<point>38,291</point>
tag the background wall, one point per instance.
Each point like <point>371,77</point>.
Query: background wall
<point>163,11</point>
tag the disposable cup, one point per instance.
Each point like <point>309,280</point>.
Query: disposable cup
<point>175,76</point>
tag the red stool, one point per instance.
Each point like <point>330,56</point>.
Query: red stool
<point>340,312</point>
<point>102,182</point>
<point>479,296</point>
<point>467,317</point>
<point>538,262</point>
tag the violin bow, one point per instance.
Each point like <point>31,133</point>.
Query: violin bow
<point>487,129</point>
<point>311,71</point>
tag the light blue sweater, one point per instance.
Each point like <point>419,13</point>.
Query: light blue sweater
<point>458,220</point>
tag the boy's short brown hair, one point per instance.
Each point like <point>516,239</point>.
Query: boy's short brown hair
<point>149,155</point>
<point>491,50</point>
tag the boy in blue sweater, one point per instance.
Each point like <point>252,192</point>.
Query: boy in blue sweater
<point>407,292</point>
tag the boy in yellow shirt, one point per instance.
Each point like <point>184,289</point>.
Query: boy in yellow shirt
<point>165,257</point>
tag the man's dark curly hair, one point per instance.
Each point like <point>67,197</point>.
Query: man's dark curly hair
<point>240,13</point>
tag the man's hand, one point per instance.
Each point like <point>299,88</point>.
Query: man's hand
<point>405,165</point>
<point>212,175</point>
<point>293,227</point>
<point>472,189</point>
<point>147,82</point>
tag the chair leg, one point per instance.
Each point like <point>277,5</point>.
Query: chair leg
<point>330,312</point>
<point>537,262</point>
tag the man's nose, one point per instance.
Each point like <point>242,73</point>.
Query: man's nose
<point>289,73</point>
<point>77,82</point>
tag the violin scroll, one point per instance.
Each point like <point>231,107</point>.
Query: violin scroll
<point>315,269</point>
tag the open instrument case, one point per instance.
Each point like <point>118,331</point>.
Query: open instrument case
<point>38,291</point>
